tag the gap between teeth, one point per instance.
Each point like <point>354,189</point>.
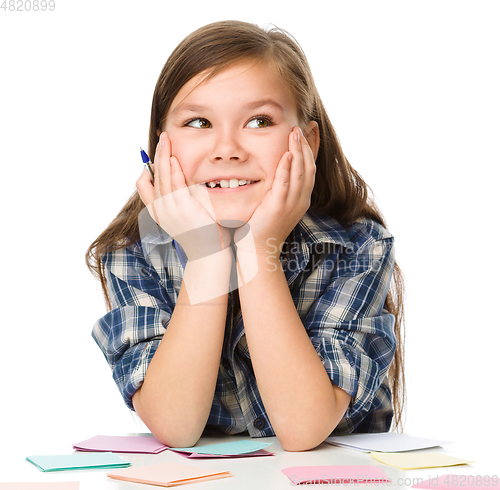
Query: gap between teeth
<point>233,183</point>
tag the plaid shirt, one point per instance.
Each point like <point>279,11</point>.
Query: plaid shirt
<point>338,279</point>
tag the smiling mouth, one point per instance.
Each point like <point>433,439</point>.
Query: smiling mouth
<point>231,184</point>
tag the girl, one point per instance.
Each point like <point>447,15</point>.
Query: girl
<point>251,183</point>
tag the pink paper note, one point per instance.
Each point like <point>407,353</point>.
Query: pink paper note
<point>462,482</point>
<point>62,485</point>
<point>186,454</point>
<point>167,474</point>
<point>122,444</point>
<point>335,475</point>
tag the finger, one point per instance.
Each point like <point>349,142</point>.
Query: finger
<point>303,167</point>
<point>145,188</point>
<point>162,166</point>
<point>309,164</point>
<point>297,164</point>
<point>281,184</point>
<point>178,180</point>
<point>200,193</point>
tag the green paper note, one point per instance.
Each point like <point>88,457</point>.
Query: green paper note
<point>227,448</point>
<point>80,461</point>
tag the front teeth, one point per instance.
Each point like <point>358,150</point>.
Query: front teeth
<point>233,183</point>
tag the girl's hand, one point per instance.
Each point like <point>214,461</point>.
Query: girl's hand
<point>181,210</point>
<point>287,200</point>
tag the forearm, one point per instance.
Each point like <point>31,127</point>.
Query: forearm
<point>300,400</point>
<point>176,396</point>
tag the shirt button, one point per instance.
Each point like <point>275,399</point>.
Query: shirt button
<point>226,364</point>
<point>259,423</point>
<point>145,272</point>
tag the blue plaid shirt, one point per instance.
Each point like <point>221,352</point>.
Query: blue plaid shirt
<point>338,279</point>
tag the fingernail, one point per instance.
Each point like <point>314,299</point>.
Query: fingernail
<point>161,140</point>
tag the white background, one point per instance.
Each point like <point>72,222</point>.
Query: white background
<point>412,90</point>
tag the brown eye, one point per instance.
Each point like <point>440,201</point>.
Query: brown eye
<point>199,123</point>
<point>259,123</point>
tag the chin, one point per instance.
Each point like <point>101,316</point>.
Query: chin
<point>231,223</point>
<point>231,219</point>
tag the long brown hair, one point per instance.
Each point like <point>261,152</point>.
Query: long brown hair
<point>339,190</point>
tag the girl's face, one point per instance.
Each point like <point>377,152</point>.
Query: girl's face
<point>232,127</point>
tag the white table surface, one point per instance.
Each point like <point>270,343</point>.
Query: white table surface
<point>249,473</point>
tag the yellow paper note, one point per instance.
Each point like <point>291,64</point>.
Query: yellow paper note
<point>415,461</point>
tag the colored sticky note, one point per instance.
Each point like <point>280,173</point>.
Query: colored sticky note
<point>62,485</point>
<point>414,461</point>
<point>225,449</point>
<point>167,474</point>
<point>80,461</point>
<point>122,444</point>
<point>390,442</point>
<point>462,482</point>
<point>335,475</point>
<point>191,455</point>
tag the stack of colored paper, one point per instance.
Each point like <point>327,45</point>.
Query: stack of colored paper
<point>122,444</point>
<point>236,449</point>
<point>384,442</point>
<point>78,461</point>
<point>167,475</point>
<point>415,461</point>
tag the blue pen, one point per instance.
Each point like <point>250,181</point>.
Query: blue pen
<point>180,253</point>
<point>147,164</point>
<point>178,248</point>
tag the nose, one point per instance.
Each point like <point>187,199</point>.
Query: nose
<point>227,147</point>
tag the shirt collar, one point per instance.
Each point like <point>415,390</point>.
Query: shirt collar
<point>315,228</point>
<point>310,231</point>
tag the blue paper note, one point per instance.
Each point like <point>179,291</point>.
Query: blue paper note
<point>78,461</point>
<point>226,448</point>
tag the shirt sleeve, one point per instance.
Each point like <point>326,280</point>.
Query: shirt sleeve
<point>142,304</point>
<point>349,328</point>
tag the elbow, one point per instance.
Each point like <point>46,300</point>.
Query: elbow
<point>305,436</point>
<point>295,443</point>
<point>310,428</point>
<point>175,437</point>
<point>294,440</point>
<point>177,432</point>
<point>181,434</point>
<point>296,447</point>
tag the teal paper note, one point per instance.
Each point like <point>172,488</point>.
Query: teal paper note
<point>78,461</point>
<point>226,448</point>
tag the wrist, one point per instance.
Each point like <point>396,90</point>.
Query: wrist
<point>208,278</point>
<point>204,241</point>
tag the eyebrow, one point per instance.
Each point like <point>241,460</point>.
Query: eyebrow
<point>250,106</point>
<point>264,102</point>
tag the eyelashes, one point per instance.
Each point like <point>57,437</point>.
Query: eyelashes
<point>198,123</point>
<point>265,120</point>
<point>256,122</point>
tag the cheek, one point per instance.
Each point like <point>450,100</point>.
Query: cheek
<point>273,150</point>
<point>186,152</point>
